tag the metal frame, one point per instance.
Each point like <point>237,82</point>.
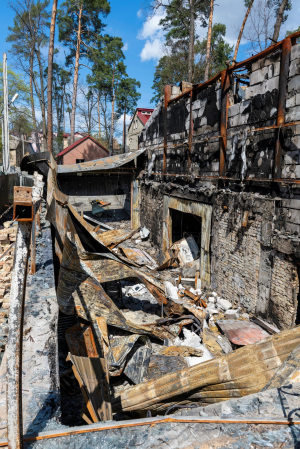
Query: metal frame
<point>286,46</point>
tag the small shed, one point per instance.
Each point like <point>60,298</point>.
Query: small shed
<point>83,150</point>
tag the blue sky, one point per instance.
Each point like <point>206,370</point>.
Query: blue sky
<point>144,40</point>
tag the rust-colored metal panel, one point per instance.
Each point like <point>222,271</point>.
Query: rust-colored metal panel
<point>242,333</point>
<point>138,255</point>
<point>81,341</point>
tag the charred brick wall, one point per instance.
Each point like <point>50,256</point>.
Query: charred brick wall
<point>255,238</point>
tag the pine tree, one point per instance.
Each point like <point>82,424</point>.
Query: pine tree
<point>79,28</point>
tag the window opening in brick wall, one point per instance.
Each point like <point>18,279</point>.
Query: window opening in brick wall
<point>184,225</point>
<point>298,298</point>
<point>79,161</point>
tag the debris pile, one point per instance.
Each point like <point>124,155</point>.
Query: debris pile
<point>144,334</point>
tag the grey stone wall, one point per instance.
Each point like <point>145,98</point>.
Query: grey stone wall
<point>253,266</point>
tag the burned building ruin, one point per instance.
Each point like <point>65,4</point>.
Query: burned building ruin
<point>151,298</point>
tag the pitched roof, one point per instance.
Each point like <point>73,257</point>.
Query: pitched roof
<point>144,117</point>
<point>73,145</point>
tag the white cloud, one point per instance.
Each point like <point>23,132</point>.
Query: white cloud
<point>125,47</point>
<point>153,49</point>
<point>153,34</point>
<point>151,27</point>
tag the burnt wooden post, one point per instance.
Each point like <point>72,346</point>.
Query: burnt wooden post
<point>284,73</point>
<point>167,98</point>
<point>225,83</point>
<point>23,213</point>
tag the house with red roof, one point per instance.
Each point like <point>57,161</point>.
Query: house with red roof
<point>82,150</point>
<point>139,120</point>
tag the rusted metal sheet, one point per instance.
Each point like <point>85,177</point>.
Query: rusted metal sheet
<point>236,66</point>
<point>23,205</point>
<point>139,256</point>
<point>92,375</point>
<point>167,96</point>
<point>242,333</point>
<point>245,370</point>
<point>167,259</point>
<point>114,237</point>
<point>136,363</point>
<point>81,341</point>
<point>137,366</point>
<point>107,163</point>
<point>161,365</point>
<point>283,79</point>
<point>15,338</point>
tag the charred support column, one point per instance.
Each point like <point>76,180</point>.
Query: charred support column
<point>167,98</point>
<point>284,73</point>
<point>191,129</point>
<point>23,209</point>
<point>225,83</point>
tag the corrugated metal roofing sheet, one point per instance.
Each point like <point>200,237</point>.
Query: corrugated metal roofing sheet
<point>106,163</point>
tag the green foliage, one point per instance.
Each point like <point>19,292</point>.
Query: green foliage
<point>220,51</point>
<point>176,22</point>
<point>108,64</point>
<point>16,84</point>
<point>91,24</point>
<point>288,33</point>
<point>172,68</point>
<point>127,95</point>
<point>29,27</point>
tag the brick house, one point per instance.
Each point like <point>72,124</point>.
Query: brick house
<point>83,150</point>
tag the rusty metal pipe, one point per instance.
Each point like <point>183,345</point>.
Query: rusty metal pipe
<point>15,338</point>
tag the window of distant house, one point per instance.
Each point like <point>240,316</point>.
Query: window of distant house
<point>79,161</point>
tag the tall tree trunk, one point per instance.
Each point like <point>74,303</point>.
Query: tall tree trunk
<point>50,71</point>
<point>111,143</point>
<point>279,20</point>
<point>241,32</point>
<point>191,41</point>
<point>32,103</point>
<point>208,45</point>
<point>42,99</point>
<point>99,117</point>
<point>76,72</point>
<point>124,130</point>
